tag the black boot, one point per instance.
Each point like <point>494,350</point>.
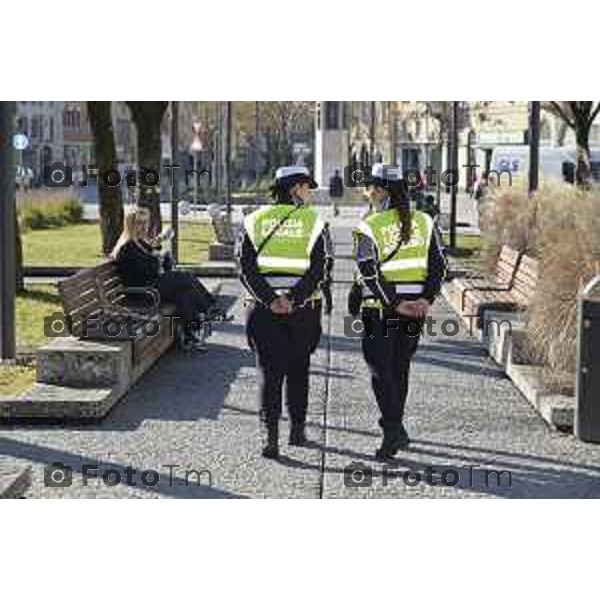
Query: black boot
<point>297,435</point>
<point>271,447</point>
<point>395,438</point>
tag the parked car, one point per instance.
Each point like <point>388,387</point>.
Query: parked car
<point>555,163</point>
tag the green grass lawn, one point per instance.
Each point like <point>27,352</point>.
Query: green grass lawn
<point>79,245</point>
<point>466,251</point>
<point>15,379</point>
<point>72,245</point>
<point>35,303</point>
<point>465,244</point>
<point>194,239</point>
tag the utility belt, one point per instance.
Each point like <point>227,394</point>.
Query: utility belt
<point>408,289</point>
<point>283,284</point>
<point>312,302</point>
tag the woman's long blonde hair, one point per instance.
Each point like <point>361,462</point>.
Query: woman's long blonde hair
<point>135,227</point>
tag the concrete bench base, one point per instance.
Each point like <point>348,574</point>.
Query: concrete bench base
<point>505,346</point>
<point>497,331</point>
<point>557,410</point>
<point>79,363</point>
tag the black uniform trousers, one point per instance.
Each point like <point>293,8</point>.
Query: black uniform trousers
<point>283,346</point>
<point>388,347</point>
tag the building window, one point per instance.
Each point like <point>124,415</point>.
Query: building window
<point>36,128</point>
<point>51,129</point>
<point>71,120</point>
<point>365,112</point>
<point>332,113</point>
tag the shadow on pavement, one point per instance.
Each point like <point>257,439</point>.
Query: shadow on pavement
<point>181,387</point>
<point>174,487</point>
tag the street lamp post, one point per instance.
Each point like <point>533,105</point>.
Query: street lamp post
<point>471,173</point>
<point>372,135</point>
<point>194,149</point>
<point>228,157</point>
<point>534,146</point>
<point>454,161</point>
<point>7,232</point>
<point>174,187</point>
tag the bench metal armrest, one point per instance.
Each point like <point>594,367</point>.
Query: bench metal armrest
<point>484,288</point>
<point>148,292</point>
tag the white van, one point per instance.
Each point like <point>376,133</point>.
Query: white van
<point>555,163</point>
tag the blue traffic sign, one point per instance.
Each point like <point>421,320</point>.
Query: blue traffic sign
<point>20,141</point>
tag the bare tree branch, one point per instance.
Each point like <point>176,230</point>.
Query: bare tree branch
<point>595,112</point>
<point>562,114</point>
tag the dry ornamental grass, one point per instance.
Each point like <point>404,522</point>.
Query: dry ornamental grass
<point>561,228</point>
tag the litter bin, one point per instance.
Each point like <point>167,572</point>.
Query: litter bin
<point>587,412</point>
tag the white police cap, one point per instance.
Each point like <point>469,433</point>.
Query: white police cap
<point>293,174</point>
<point>383,172</point>
<point>290,171</point>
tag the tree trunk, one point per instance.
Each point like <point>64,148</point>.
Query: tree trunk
<point>562,132</point>
<point>111,207</point>
<point>147,117</point>
<point>582,168</point>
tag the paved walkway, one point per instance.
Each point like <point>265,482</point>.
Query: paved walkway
<point>200,412</point>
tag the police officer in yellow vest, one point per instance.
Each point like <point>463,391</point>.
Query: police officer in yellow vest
<point>401,268</point>
<point>282,258</point>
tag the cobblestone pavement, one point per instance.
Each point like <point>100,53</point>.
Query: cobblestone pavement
<point>200,412</point>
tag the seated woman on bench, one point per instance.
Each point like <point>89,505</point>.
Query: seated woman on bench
<point>140,265</point>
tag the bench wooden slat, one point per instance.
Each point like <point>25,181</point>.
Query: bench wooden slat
<point>519,294</point>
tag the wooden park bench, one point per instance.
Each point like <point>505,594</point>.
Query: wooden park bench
<point>225,233</point>
<point>516,297</point>
<point>84,370</point>
<point>97,306</point>
<point>223,229</point>
<point>506,267</point>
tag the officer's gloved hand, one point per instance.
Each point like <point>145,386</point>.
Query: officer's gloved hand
<point>281,306</point>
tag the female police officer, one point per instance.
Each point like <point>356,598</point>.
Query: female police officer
<point>401,268</point>
<point>282,259</point>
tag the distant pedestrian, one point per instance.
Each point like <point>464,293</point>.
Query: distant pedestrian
<point>479,186</point>
<point>336,190</point>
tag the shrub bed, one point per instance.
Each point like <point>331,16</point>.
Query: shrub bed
<point>561,228</point>
<point>48,212</point>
